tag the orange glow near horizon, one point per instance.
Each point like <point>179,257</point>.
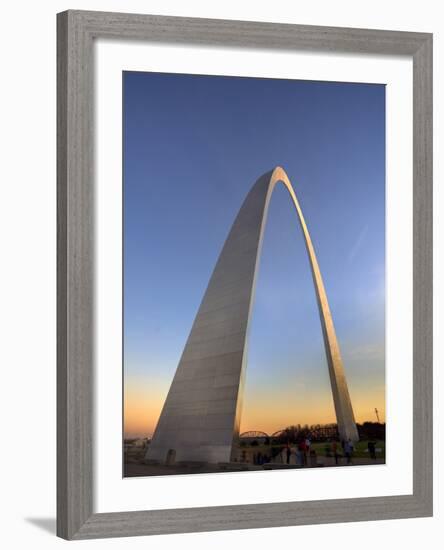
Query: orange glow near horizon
<point>143,402</point>
<point>267,411</point>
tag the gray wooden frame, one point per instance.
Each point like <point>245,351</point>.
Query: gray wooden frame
<point>76,32</point>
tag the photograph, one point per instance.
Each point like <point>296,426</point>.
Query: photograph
<point>221,275</point>
<point>254,274</point>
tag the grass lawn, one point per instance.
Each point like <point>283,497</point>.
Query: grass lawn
<point>361,449</point>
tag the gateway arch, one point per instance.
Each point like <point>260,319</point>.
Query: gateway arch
<point>201,415</point>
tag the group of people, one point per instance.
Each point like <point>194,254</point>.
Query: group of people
<point>301,450</point>
<point>347,449</point>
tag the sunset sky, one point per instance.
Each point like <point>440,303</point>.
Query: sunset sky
<point>193,147</point>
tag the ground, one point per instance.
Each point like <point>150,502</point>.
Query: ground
<point>134,461</point>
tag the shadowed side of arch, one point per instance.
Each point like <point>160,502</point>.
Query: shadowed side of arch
<point>201,415</point>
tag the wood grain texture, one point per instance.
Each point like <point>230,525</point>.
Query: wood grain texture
<point>74,276</point>
<point>62,294</point>
<point>248,33</point>
<point>423,273</point>
<point>75,271</point>
<point>223,518</point>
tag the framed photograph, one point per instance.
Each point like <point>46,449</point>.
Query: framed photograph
<point>244,274</point>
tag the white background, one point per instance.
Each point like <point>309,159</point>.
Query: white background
<point>112,493</point>
<point>27,299</point>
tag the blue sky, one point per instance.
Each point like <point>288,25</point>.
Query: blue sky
<point>193,147</point>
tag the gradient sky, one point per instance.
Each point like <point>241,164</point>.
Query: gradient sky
<point>193,147</point>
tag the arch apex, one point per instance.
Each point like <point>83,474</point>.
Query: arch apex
<point>279,172</point>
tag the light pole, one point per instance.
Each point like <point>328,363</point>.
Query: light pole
<point>377,415</point>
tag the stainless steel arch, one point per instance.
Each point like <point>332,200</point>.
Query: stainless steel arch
<point>201,415</point>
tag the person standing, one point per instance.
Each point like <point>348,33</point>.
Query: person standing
<point>334,449</point>
<point>307,445</point>
<point>348,451</point>
<point>294,451</point>
<point>303,449</point>
<point>343,446</point>
<point>299,455</point>
<point>288,451</point>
